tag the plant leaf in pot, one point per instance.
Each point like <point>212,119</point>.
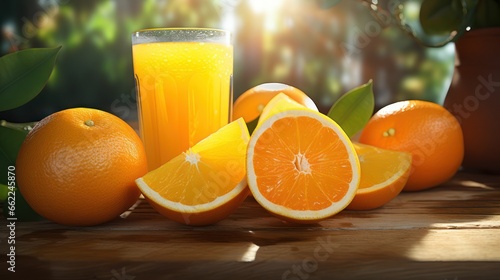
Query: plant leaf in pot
<point>474,94</point>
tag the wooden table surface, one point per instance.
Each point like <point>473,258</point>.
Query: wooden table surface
<point>450,232</point>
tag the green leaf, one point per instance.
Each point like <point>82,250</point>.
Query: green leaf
<point>11,138</point>
<point>437,22</point>
<point>252,125</point>
<point>441,17</point>
<point>4,192</point>
<point>22,212</point>
<point>354,109</point>
<point>10,142</point>
<point>487,14</point>
<point>23,75</point>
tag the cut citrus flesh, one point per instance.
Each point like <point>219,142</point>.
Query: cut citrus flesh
<point>301,166</point>
<point>204,184</point>
<point>279,105</point>
<point>384,174</point>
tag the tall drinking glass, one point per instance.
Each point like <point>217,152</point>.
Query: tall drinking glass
<point>184,87</point>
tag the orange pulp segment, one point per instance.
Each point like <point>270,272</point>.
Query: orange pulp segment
<point>204,184</point>
<point>384,174</point>
<point>301,166</point>
<point>279,104</point>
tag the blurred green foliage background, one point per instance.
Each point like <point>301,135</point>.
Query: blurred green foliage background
<point>324,52</point>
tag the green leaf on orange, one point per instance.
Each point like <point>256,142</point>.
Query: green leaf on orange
<point>4,192</point>
<point>22,210</point>
<point>252,125</point>
<point>10,142</point>
<point>23,74</point>
<point>11,138</point>
<point>353,110</point>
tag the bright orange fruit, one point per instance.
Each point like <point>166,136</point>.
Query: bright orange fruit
<point>78,166</point>
<point>383,175</point>
<point>250,104</point>
<point>204,184</point>
<point>301,166</point>
<point>426,130</point>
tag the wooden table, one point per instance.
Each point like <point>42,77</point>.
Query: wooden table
<point>450,232</point>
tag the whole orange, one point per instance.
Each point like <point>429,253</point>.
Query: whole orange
<point>78,166</point>
<point>426,130</point>
<point>249,105</point>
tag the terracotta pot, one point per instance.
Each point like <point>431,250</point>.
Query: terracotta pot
<point>474,97</point>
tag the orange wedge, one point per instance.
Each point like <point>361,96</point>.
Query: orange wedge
<point>206,183</point>
<point>279,104</point>
<point>301,166</point>
<point>383,176</point>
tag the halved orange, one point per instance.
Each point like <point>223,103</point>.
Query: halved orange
<point>384,174</point>
<point>301,166</point>
<point>206,183</point>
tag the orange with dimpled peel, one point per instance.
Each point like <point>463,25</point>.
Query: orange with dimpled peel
<point>77,167</point>
<point>250,104</point>
<point>426,130</point>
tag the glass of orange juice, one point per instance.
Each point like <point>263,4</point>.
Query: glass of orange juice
<point>184,87</point>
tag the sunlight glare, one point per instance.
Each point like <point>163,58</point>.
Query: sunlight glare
<point>442,246</point>
<point>271,11</point>
<point>249,255</point>
<point>267,6</point>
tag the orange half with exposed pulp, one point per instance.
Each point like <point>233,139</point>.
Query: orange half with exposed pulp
<point>301,166</point>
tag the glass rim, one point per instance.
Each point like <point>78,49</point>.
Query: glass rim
<point>181,34</point>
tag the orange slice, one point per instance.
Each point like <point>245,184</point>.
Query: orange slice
<point>206,183</point>
<point>301,166</point>
<point>383,176</point>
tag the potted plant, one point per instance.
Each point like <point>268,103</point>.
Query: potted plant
<point>474,94</point>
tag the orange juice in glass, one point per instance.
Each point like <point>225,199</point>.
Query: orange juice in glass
<point>184,87</point>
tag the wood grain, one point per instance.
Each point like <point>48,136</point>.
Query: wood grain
<point>450,232</point>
